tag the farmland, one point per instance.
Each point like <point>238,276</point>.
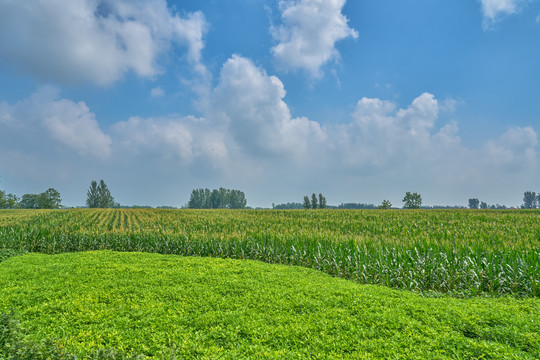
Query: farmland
<point>462,253</point>
<point>110,279</point>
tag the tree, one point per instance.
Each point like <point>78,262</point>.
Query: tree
<point>3,200</point>
<point>29,201</point>
<point>7,201</point>
<point>474,203</point>
<point>105,198</point>
<point>307,204</point>
<point>322,201</point>
<point>237,199</point>
<point>217,199</point>
<point>386,204</point>
<point>412,201</point>
<point>529,200</point>
<point>290,206</point>
<point>92,195</point>
<point>12,201</point>
<point>99,196</point>
<point>483,205</point>
<point>50,199</point>
<point>196,199</point>
<point>314,201</point>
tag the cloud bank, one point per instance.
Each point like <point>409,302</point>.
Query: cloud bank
<point>95,41</point>
<point>248,138</point>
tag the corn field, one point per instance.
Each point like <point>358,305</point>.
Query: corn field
<point>457,252</point>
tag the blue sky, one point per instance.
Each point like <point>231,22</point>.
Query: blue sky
<point>360,100</point>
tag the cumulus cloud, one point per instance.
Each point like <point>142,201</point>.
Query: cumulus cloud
<point>249,139</point>
<point>44,120</point>
<point>250,104</point>
<point>309,32</point>
<point>180,139</point>
<point>515,149</point>
<point>96,41</point>
<point>494,9</point>
<point>383,137</point>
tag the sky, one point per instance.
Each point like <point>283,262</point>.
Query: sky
<point>360,100</point>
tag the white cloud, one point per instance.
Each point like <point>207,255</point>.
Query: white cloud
<point>249,139</point>
<point>96,41</point>
<point>43,120</point>
<point>515,149</point>
<point>381,135</point>
<point>494,9</point>
<point>178,139</point>
<point>309,33</point>
<point>250,104</point>
<point>157,92</point>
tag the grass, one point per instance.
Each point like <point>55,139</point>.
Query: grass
<point>167,306</point>
<point>457,252</point>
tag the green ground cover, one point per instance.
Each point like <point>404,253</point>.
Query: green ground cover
<point>208,308</point>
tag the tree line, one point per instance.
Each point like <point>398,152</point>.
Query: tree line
<point>217,199</point>
<point>99,196</point>
<point>315,202</point>
<point>49,199</point>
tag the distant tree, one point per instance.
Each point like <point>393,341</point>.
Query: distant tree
<point>289,206</point>
<point>196,200</point>
<point>386,204</point>
<point>92,195</point>
<point>529,200</point>
<point>106,200</point>
<point>99,196</point>
<point>12,201</point>
<point>322,201</point>
<point>49,199</point>
<point>474,203</point>
<point>29,201</point>
<point>412,201</point>
<point>314,204</point>
<point>217,199</point>
<point>3,200</point>
<point>225,196</point>
<point>307,203</point>
<point>237,199</point>
<point>356,206</point>
<point>7,201</point>
<point>483,205</point>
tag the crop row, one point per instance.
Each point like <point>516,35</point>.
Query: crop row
<point>458,252</point>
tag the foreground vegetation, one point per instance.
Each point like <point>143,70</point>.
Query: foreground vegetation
<point>178,307</point>
<point>462,253</point>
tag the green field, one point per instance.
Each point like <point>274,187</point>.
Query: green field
<point>474,277</point>
<point>462,253</point>
<point>155,305</point>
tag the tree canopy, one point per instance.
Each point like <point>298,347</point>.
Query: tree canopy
<point>49,199</point>
<point>217,199</point>
<point>474,203</point>
<point>412,200</point>
<point>99,196</point>
<point>530,201</point>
